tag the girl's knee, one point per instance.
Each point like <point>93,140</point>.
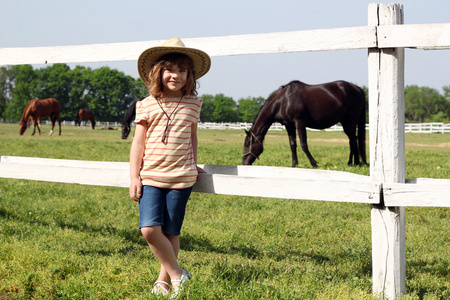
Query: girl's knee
<point>151,232</point>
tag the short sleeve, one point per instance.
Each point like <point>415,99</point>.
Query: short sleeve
<point>200,100</point>
<point>140,112</point>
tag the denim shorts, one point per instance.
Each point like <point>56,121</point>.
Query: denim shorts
<point>165,207</point>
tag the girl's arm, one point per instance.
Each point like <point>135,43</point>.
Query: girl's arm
<point>195,144</point>
<point>136,156</point>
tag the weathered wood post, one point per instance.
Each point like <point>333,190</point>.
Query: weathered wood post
<point>387,154</point>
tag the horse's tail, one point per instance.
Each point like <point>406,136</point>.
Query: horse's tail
<point>362,129</point>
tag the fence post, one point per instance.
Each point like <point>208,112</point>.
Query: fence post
<point>387,154</point>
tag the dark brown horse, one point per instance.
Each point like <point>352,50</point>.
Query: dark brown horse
<point>36,109</point>
<point>84,115</point>
<point>129,117</point>
<point>298,105</point>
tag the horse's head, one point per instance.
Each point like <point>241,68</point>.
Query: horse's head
<point>22,127</point>
<point>252,148</point>
<point>125,131</point>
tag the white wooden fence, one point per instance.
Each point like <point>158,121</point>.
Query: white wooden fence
<point>409,127</point>
<point>386,188</point>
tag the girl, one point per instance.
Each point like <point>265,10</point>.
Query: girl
<point>163,155</point>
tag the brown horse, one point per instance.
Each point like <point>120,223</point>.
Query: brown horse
<point>85,115</point>
<point>298,105</point>
<point>37,109</point>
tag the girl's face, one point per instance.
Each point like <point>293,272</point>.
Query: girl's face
<point>173,80</point>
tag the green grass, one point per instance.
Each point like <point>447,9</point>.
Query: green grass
<point>63,241</point>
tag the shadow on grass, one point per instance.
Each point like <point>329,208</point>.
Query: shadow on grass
<point>132,235</point>
<point>434,266</point>
<point>196,243</point>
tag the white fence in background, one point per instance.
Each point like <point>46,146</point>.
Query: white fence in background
<point>409,127</point>
<point>427,127</point>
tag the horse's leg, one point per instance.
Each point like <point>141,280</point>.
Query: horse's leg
<point>303,143</point>
<point>292,143</point>
<point>34,128</point>
<point>350,131</point>
<point>38,125</point>
<point>52,120</point>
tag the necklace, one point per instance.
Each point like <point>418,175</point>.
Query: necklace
<point>165,135</point>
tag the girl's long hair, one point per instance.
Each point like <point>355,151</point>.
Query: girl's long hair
<point>169,60</point>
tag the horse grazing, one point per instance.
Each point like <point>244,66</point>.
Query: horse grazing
<point>84,115</point>
<point>298,105</point>
<point>129,117</point>
<point>37,109</point>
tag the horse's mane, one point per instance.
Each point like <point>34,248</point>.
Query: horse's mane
<point>25,110</point>
<point>131,111</point>
<point>269,99</point>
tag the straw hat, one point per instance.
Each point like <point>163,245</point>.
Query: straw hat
<point>201,60</point>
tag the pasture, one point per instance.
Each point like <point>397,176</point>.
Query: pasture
<point>81,242</point>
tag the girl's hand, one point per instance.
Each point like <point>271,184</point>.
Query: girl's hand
<point>136,189</point>
<point>200,170</point>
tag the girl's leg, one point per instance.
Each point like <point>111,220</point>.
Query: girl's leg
<point>175,208</point>
<point>163,249</point>
<point>152,208</point>
<point>176,201</point>
<point>170,205</point>
<point>175,241</point>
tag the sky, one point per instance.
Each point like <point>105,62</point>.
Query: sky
<point>38,23</point>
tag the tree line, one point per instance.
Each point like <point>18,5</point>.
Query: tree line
<point>108,93</point>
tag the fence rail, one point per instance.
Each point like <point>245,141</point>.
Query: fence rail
<point>409,127</point>
<point>260,181</point>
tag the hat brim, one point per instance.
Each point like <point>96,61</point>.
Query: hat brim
<point>201,60</point>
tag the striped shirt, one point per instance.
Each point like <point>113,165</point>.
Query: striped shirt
<point>169,164</point>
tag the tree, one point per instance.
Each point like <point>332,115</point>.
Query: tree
<point>24,88</point>
<point>110,92</point>
<point>424,104</point>
<point>55,81</point>
<point>79,90</point>
<point>7,75</point>
<point>206,114</point>
<point>224,109</point>
<point>106,92</point>
<point>447,92</point>
<point>248,108</point>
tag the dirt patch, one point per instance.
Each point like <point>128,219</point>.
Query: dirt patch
<point>330,140</point>
<point>427,145</point>
<point>441,145</point>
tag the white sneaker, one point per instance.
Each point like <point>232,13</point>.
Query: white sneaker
<point>182,283</point>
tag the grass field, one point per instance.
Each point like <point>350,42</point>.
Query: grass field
<point>62,241</point>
